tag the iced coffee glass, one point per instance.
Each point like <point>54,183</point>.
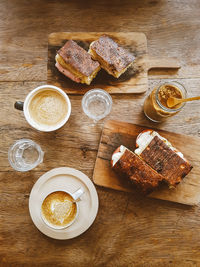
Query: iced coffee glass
<point>155,105</point>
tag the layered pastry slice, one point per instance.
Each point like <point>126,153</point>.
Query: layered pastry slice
<point>159,153</point>
<point>129,166</point>
<point>76,63</point>
<point>112,57</point>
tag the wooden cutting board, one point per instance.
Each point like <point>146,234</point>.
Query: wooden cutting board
<point>134,80</point>
<point>117,133</point>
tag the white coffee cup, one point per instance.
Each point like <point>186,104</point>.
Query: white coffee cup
<point>25,106</point>
<point>75,198</point>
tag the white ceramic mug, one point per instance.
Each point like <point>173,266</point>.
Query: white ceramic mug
<point>75,198</point>
<point>25,107</point>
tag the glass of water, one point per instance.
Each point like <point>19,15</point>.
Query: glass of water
<point>96,104</point>
<point>24,155</point>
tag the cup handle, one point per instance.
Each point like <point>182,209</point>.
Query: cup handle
<point>19,105</point>
<point>76,195</point>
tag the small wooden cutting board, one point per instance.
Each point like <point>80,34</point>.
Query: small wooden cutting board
<point>117,133</point>
<point>134,80</point>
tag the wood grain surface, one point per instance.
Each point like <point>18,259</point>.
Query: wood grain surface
<point>134,80</point>
<point>129,230</point>
<point>116,133</point>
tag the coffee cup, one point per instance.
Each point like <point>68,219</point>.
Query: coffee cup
<point>59,209</point>
<point>46,108</point>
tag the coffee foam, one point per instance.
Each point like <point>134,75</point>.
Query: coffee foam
<point>61,210</point>
<point>48,108</point>
<point>58,209</point>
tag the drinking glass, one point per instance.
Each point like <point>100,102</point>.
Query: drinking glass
<point>24,155</point>
<point>155,110</point>
<point>96,104</point>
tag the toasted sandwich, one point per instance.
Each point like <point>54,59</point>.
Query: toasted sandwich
<point>129,166</point>
<point>112,57</point>
<point>76,63</point>
<point>159,153</point>
<point>153,162</point>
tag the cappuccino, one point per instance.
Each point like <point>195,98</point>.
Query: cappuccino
<point>59,209</point>
<point>48,108</point>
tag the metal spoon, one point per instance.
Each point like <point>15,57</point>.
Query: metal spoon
<point>173,101</point>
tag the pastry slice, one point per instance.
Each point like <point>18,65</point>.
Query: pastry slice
<point>129,166</point>
<point>76,63</point>
<point>112,57</point>
<point>159,153</point>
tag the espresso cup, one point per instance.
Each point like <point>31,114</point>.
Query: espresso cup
<point>59,209</point>
<point>46,108</point>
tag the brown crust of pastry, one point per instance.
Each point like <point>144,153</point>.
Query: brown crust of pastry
<point>138,172</point>
<point>78,58</point>
<point>165,161</point>
<point>117,57</point>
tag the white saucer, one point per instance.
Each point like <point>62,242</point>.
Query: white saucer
<point>70,180</point>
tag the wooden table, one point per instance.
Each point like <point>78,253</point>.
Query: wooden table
<point>128,231</point>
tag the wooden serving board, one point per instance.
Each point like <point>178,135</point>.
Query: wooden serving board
<point>117,133</point>
<point>134,80</point>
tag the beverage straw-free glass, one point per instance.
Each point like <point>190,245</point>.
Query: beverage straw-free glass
<point>25,155</point>
<point>96,104</point>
